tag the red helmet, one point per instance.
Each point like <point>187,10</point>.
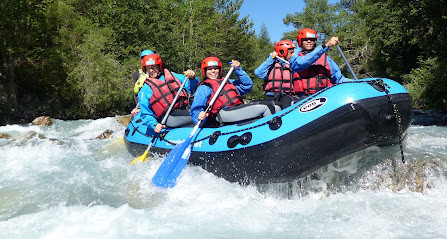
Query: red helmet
<point>211,61</point>
<point>306,33</point>
<point>152,59</point>
<point>283,45</point>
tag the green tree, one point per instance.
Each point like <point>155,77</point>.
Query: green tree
<point>426,84</point>
<point>264,47</point>
<point>394,39</point>
<point>81,53</point>
<point>94,79</point>
<point>23,32</point>
<point>409,38</point>
<point>317,14</point>
<point>264,36</point>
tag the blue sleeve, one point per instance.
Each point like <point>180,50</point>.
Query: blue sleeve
<point>263,70</point>
<point>191,85</point>
<point>300,63</point>
<point>337,76</point>
<point>202,95</point>
<point>244,84</point>
<point>146,113</point>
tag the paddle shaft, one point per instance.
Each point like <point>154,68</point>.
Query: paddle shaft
<point>341,53</point>
<point>138,104</point>
<point>168,172</point>
<point>163,121</point>
<point>277,57</point>
<point>346,61</point>
<point>165,118</point>
<point>213,100</point>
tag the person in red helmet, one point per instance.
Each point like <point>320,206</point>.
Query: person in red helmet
<point>229,107</point>
<point>282,79</point>
<point>231,94</point>
<point>322,72</point>
<point>159,90</point>
<point>277,75</point>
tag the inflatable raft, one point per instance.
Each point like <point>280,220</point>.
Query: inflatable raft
<point>297,140</point>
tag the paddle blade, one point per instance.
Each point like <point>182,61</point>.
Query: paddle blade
<point>166,176</point>
<point>142,158</point>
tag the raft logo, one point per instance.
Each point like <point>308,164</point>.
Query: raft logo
<point>313,105</point>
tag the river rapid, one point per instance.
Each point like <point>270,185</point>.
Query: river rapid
<point>60,181</point>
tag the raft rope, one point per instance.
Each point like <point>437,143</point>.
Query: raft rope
<point>396,114</point>
<point>274,119</point>
<point>218,133</point>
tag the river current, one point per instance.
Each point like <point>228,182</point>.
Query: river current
<point>60,181</point>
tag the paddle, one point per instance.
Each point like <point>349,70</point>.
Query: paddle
<point>343,56</point>
<point>346,61</point>
<point>166,176</point>
<point>143,157</point>
<point>283,60</point>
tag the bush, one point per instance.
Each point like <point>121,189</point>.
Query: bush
<point>427,84</point>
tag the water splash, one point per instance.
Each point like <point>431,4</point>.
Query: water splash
<point>87,187</point>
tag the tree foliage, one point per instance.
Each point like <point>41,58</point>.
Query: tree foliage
<point>318,15</point>
<point>81,54</point>
<point>74,58</point>
<point>397,39</point>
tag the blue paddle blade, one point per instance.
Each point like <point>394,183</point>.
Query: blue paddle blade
<point>168,172</point>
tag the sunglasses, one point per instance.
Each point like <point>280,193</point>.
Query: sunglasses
<point>308,39</point>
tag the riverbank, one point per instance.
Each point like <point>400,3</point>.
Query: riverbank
<point>420,117</point>
<point>429,117</point>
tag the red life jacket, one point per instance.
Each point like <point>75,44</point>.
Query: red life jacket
<point>163,93</point>
<point>229,95</point>
<point>315,77</point>
<point>280,79</point>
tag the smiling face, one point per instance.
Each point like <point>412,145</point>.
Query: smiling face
<point>308,44</point>
<point>153,71</point>
<point>212,72</point>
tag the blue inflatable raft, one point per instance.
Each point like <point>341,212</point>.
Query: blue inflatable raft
<point>297,140</point>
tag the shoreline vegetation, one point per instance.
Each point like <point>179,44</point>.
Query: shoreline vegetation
<point>74,59</point>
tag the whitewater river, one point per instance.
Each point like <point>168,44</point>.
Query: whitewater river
<point>60,182</point>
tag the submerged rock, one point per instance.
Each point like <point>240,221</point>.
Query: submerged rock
<point>29,135</point>
<point>124,120</point>
<point>5,136</point>
<point>42,121</point>
<point>413,175</point>
<point>32,135</point>
<point>105,135</point>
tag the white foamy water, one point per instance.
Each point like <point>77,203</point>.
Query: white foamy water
<point>61,182</point>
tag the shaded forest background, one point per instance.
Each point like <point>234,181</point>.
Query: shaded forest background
<point>73,59</point>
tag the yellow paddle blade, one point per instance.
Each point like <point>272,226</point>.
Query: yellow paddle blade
<point>120,140</point>
<point>142,158</point>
